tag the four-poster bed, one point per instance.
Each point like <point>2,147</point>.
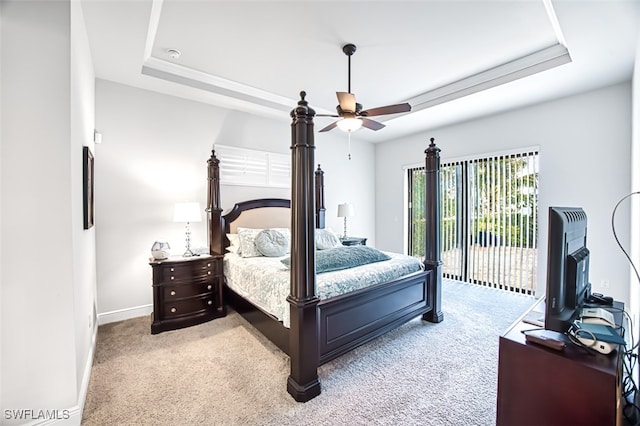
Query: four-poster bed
<point>321,330</point>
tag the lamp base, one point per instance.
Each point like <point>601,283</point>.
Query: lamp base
<point>189,253</point>
<point>344,235</point>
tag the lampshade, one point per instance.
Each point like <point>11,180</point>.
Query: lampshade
<point>187,212</point>
<point>349,124</point>
<point>345,210</point>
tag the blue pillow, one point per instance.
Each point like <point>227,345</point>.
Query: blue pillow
<point>272,243</point>
<point>335,259</point>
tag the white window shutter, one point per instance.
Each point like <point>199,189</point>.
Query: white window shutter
<point>250,167</point>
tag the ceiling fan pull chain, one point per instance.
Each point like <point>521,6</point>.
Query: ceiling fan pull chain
<point>349,146</point>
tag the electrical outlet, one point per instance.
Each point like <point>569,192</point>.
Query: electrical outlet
<point>605,284</point>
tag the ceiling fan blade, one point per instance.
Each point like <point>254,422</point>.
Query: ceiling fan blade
<point>389,109</point>
<point>327,115</point>
<point>329,127</point>
<point>347,101</point>
<point>371,124</point>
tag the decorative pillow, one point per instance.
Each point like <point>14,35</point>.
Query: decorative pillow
<point>247,238</point>
<point>326,239</point>
<point>344,257</point>
<point>272,242</point>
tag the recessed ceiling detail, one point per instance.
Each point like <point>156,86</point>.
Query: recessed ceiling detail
<point>450,61</point>
<point>515,68</point>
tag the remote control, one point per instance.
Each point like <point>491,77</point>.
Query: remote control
<point>547,341</point>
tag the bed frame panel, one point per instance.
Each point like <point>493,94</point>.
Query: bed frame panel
<point>323,330</point>
<point>353,319</point>
<point>266,324</point>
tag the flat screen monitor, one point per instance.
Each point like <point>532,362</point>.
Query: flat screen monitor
<point>568,284</point>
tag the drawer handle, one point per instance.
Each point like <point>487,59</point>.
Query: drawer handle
<point>208,272</point>
<point>172,269</point>
<point>173,309</point>
<point>209,287</point>
<point>209,302</point>
<point>173,293</point>
<point>171,276</point>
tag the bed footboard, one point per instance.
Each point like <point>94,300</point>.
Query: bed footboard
<point>348,321</point>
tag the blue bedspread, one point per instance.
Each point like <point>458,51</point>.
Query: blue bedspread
<point>265,280</point>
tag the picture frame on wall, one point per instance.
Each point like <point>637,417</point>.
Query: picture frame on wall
<point>87,186</point>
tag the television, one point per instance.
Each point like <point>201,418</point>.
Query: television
<point>568,286</point>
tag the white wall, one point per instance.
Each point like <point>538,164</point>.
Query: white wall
<point>47,335</point>
<point>1,197</point>
<point>83,241</point>
<point>634,247</point>
<point>585,145</point>
<point>154,154</point>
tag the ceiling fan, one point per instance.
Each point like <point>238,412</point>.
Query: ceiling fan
<point>350,112</point>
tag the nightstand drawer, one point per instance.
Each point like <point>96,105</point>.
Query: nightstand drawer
<point>189,306</point>
<point>176,292</point>
<point>188,271</point>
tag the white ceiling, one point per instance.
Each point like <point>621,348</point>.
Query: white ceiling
<point>451,60</point>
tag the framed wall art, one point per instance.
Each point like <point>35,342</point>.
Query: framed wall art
<point>87,186</point>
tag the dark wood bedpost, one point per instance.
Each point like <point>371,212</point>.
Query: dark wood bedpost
<point>303,383</point>
<point>214,211</point>
<point>320,210</point>
<point>432,255</point>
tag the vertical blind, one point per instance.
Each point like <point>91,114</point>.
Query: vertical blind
<point>489,223</point>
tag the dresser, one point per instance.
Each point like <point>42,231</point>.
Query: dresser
<point>186,291</point>
<point>541,386</point>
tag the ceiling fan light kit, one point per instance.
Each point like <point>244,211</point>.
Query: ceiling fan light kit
<point>349,124</point>
<point>351,115</point>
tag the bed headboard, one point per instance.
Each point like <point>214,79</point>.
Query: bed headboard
<point>258,213</point>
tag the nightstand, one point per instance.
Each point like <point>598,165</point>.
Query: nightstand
<point>186,291</point>
<point>353,241</point>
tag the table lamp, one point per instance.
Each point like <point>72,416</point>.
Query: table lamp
<point>187,212</point>
<point>345,210</point>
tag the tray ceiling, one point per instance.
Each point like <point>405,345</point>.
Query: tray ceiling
<point>451,60</point>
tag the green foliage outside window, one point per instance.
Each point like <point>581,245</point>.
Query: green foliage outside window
<point>504,196</point>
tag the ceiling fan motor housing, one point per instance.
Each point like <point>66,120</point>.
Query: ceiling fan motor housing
<point>357,111</point>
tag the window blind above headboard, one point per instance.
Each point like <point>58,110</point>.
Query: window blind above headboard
<point>250,167</point>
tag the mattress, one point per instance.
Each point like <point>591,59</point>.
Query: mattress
<point>264,281</point>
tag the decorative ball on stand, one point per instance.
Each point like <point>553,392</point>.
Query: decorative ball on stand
<point>160,250</point>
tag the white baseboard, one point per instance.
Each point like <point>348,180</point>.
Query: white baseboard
<point>124,314</point>
<point>73,415</point>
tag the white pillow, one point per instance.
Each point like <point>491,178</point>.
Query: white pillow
<point>234,243</point>
<point>234,239</point>
<point>273,242</point>
<point>326,239</point>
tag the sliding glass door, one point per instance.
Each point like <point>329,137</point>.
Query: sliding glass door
<point>489,210</point>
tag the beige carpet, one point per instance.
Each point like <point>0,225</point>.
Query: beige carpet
<point>226,373</point>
